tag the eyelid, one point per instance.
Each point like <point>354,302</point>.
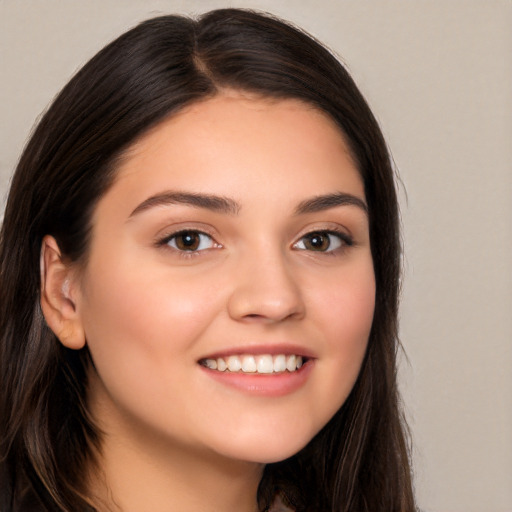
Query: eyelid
<point>174,228</point>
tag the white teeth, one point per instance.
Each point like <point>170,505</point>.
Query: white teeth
<point>211,363</point>
<point>291,363</point>
<point>265,364</point>
<point>247,363</point>
<point>280,363</point>
<point>234,363</point>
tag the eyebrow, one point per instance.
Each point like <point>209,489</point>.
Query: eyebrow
<point>210,202</point>
<point>325,202</point>
<point>227,205</point>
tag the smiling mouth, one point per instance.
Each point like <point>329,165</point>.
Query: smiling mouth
<point>256,364</point>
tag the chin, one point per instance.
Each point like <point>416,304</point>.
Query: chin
<point>268,450</point>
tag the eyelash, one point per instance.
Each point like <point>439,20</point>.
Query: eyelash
<point>165,242</point>
<point>343,238</point>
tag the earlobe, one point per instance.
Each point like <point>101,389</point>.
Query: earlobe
<point>57,296</point>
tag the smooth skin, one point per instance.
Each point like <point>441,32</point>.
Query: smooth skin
<point>253,269</point>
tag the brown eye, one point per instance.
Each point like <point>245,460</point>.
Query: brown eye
<point>322,241</point>
<point>317,242</point>
<point>190,241</point>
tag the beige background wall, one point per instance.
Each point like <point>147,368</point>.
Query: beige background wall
<point>439,77</point>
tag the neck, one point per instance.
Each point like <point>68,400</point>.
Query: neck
<point>133,481</point>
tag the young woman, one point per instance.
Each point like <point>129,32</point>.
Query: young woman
<point>199,271</point>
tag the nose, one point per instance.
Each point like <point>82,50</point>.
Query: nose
<point>266,290</point>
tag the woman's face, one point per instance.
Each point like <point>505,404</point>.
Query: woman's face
<point>235,235</point>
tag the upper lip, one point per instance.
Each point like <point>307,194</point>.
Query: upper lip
<point>271,349</point>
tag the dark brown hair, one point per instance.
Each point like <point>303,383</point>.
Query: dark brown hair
<point>359,462</point>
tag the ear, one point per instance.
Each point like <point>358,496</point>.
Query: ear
<point>58,288</point>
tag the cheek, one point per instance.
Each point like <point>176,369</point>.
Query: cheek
<point>141,328</point>
<point>346,303</point>
<point>135,305</point>
<point>344,315</point>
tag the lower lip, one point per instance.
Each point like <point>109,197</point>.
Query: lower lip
<point>277,384</point>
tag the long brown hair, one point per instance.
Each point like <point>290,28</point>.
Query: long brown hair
<point>359,462</point>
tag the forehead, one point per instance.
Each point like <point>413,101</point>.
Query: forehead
<point>233,143</point>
